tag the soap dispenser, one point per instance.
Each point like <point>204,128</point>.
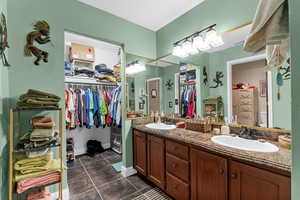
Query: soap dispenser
<point>225,129</point>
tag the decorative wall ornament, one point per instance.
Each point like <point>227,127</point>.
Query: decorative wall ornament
<point>41,35</point>
<point>3,40</point>
<point>205,76</point>
<point>169,84</point>
<point>217,80</point>
<point>286,71</point>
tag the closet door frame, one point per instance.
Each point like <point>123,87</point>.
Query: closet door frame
<point>160,94</point>
<point>229,86</point>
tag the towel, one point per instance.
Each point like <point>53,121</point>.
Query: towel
<point>38,99</point>
<point>41,180</point>
<point>41,194</point>
<point>38,135</point>
<point>26,164</point>
<point>52,166</point>
<point>270,25</point>
<point>42,122</point>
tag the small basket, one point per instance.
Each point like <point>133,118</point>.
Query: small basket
<point>198,125</point>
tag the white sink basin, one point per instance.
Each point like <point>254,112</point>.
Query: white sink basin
<point>244,144</point>
<point>160,126</point>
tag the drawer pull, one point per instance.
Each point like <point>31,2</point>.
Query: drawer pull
<point>234,176</point>
<point>221,171</point>
<point>174,165</point>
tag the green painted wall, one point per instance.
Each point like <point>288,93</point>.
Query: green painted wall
<point>4,112</point>
<point>295,49</point>
<point>69,15</point>
<point>226,15</point>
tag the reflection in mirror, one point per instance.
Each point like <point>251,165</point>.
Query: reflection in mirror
<point>251,93</point>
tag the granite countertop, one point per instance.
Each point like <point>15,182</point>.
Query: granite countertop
<point>279,160</point>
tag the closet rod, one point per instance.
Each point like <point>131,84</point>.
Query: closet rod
<point>79,83</point>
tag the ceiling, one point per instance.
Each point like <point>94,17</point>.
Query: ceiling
<point>153,14</point>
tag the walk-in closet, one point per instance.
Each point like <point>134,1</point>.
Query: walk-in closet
<point>93,109</point>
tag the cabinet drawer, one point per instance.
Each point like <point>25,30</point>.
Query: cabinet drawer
<point>177,149</point>
<point>177,167</point>
<point>246,102</point>
<point>177,188</point>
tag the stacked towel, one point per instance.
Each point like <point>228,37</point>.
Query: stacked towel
<point>42,122</point>
<point>33,167</point>
<point>45,179</point>
<point>42,135</point>
<point>42,194</point>
<point>38,99</point>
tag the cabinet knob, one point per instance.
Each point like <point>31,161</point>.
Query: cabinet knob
<point>174,165</point>
<point>234,176</point>
<point>175,186</point>
<point>174,148</point>
<point>221,171</point>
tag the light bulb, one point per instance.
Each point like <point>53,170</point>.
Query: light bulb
<point>213,38</point>
<point>188,48</point>
<point>178,51</point>
<point>200,43</point>
<point>136,68</point>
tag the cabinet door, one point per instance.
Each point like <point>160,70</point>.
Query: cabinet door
<point>156,160</point>
<point>208,176</point>
<point>250,183</point>
<point>140,152</point>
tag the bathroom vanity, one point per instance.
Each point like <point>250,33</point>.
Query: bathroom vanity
<point>188,165</point>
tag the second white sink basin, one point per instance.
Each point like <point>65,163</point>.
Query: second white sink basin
<point>244,144</point>
<point>160,126</point>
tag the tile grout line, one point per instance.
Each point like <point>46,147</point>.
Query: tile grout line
<point>138,190</point>
<point>132,184</point>
<point>91,180</point>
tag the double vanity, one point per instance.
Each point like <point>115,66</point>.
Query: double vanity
<point>202,166</point>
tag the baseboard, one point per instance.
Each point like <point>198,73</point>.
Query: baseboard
<point>128,171</point>
<point>106,146</point>
<point>66,195</point>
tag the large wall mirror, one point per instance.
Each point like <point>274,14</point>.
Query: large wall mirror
<point>250,93</point>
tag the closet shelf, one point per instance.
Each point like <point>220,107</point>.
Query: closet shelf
<point>35,109</point>
<point>40,187</point>
<point>36,149</point>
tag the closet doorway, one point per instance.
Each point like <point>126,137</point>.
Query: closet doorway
<point>154,96</point>
<point>249,92</point>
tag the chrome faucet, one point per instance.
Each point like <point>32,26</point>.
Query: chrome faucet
<point>247,133</point>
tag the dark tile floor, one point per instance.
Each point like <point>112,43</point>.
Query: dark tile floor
<point>95,179</point>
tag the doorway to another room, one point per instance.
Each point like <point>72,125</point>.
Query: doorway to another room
<point>249,92</point>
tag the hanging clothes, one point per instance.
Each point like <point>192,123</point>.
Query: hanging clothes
<point>188,102</point>
<point>93,107</point>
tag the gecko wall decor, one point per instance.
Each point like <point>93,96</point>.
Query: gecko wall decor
<point>3,40</point>
<point>205,76</point>
<point>217,80</point>
<point>41,35</point>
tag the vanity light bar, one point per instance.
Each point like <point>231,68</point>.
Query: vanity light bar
<point>135,67</point>
<point>196,43</point>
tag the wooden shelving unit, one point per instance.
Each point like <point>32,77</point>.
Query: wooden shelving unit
<point>15,133</point>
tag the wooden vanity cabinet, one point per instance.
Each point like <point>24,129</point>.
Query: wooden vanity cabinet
<point>250,183</point>
<point>187,172</point>
<point>208,176</point>
<point>140,152</point>
<point>156,160</point>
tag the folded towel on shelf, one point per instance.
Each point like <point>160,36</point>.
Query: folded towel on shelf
<point>38,99</point>
<point>52,166</point>
<point>41,180</point>
<point>25,164</point>
<point>35,154</point>
<point>42,122</point>
<point>41,194</point>
<point>38,93</point>
<point>38,135</point>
